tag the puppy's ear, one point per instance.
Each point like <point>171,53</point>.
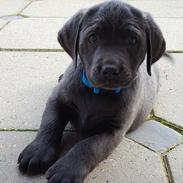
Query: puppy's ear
<point>68,36</point>
<point>156,44</point>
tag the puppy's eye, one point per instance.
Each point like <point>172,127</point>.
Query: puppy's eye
<point>92,38</point>
<point>132,40</point>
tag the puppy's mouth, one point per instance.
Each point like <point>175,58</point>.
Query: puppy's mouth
<point>111,85</point>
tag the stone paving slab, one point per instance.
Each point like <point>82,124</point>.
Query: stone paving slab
<point>41,33</point>
<point>130,163</point>
<point>26,80</point>
<point>33,33</point>
<point>60,8</point>
<point>160,8</point>
<point>171,28</point>
<point>9,7</point>
<point>156,136</point>
<point>57,9</point>
<point>169,103</point>
<point>176,163</point>
<point>2,23</point>
<point>11,144</point>
<point>28,91</point>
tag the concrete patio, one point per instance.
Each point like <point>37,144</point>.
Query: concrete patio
<point>29,49</point>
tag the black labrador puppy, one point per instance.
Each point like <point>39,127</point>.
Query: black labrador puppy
<point>106,91</point>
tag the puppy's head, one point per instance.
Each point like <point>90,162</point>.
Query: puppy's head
<point>112,40</point>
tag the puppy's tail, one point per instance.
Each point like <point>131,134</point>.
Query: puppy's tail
<point>60,77</point>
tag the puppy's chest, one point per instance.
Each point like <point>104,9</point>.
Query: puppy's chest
<point>94,113</point>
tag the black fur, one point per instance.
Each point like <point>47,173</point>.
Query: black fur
<point>109,41</point>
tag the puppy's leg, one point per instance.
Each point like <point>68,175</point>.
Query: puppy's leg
<point>82,158</point>
<point>39,155</point>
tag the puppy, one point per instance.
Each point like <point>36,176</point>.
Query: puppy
<point>106,91</point>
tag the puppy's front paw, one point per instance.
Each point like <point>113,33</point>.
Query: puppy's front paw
<point>36,158</point>
<point>64,172</point>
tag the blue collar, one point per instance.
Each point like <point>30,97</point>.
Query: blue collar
<point>87,83</point>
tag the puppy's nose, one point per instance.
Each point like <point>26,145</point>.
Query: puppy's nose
<point>110,70</point>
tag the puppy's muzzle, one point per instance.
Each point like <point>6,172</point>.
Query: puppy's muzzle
<point>107,75</point>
